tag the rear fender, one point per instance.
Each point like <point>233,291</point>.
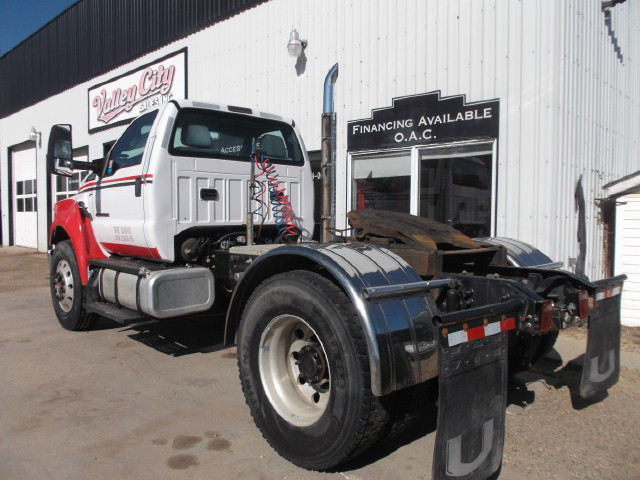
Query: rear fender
<point>70,221</point>
<point>393,304</point>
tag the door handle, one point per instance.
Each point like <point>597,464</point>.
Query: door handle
<point>209,194</point>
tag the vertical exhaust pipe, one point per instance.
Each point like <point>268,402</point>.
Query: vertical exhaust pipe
<point>328,157</point>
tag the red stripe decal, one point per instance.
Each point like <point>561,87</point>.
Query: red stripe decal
<point>115,180</point>
<point>133,250</point>
<point>475,333</point>
<point>508,324</point>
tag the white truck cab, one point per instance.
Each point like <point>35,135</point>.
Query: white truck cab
<point>186,168</point>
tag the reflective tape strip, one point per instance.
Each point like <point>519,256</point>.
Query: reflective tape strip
<point>456,338</point>
<point>492,329</point>
<point>608,293</point>
<point>477,333</point>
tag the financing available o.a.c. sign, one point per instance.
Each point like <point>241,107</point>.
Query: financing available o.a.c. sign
<point>423,119</point>
<point>120,99</point>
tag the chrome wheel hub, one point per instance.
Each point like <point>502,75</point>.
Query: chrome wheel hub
<point>63,285</point>
<point>294,370</point>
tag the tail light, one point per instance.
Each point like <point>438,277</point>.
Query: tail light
<point>583,304</point>
<point>546,317</point>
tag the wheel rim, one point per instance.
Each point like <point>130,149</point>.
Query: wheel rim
<point>63,285</point>
<point>294,370</point>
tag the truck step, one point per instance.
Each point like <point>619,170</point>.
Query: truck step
<point>110,311</point>
<point>126,265</point>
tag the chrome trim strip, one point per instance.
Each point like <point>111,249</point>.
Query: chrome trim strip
<point>402,290</point>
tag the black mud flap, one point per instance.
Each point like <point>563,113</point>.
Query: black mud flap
<point>601,368</point>
<point>472,400</point>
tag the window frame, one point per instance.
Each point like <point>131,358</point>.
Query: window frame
<point>440,150</point>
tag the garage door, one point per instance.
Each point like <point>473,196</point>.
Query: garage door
<point>25,211</point>
<point>628,256</point>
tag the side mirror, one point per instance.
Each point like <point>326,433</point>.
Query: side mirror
<point>60,151</point>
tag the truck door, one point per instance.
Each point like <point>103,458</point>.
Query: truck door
<point>117,200</point>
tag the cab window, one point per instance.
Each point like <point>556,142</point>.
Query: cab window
<point>129,149</point>
<point>221,135</point>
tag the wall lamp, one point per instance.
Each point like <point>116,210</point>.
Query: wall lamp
<point>35,136</point>
<point>295,45</point>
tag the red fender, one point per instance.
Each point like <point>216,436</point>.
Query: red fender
<point>68,217</point>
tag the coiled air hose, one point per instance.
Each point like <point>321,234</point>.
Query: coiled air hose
<point>283,214</point>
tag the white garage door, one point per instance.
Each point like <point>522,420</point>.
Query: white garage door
<point>628,256</point>
<point>25,211</point>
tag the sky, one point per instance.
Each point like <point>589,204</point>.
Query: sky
<point>20,18</point>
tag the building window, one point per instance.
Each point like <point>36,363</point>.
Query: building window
<point>452,184</point>
<point>26,196</point>
<point>382,181</point>
<point>455,188</point>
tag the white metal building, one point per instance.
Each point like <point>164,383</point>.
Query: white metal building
<point>562,80</point>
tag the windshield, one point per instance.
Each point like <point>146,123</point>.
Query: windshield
<point>211,134</point>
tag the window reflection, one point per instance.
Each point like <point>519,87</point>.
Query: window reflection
<point>457,191</point>
<point>382,182</point>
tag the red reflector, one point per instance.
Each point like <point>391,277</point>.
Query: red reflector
<point>583,304</point>
<point>475,333</point>
<point>546,318</point>
<point>508,324</point>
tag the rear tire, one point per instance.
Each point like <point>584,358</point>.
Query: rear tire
<point>305,371</point>
<point>67,292</point>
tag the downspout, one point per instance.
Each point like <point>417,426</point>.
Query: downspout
<point>328,157</point>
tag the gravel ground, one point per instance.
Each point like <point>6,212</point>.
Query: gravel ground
<point>550,432</point>
<point>34,267</point>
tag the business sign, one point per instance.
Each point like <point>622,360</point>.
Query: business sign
<point>424,119</point>
<point>120,99</point>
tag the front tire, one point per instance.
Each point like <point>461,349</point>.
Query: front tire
<point>67,292</point>
<point>305,372</point>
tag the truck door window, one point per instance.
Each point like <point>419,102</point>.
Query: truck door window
<point>129,149</point>
<point>212,134</point>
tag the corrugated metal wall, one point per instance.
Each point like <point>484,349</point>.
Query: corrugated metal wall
<point>569,105</point>
<point>94,36</point>
<point>598,114</point>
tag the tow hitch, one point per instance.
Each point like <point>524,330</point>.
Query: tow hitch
<point>473,348</point>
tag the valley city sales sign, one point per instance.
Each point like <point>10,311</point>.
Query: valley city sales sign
<point>117,101</point>
<point>424,119</point>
